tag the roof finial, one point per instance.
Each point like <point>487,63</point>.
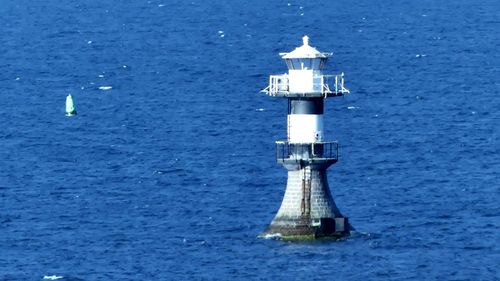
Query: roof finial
<point>305,39</point>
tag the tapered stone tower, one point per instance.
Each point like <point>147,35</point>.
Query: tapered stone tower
<point>308,209</point>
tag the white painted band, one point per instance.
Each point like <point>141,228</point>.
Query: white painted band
<point>305,128</point>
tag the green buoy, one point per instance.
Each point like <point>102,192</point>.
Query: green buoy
<point>70,106</point>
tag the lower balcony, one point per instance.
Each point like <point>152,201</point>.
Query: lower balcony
<point>317,152</point>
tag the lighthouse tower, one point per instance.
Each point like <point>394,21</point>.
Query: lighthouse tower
<point>308,209</point>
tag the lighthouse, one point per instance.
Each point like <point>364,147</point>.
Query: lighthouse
<point>308,210</point>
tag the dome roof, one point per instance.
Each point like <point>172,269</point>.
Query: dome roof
<point>305,51</point>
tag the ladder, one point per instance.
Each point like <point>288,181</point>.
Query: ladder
<point>305,204</point>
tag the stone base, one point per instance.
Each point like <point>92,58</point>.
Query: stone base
<point>308,210</point>
<point>301,230</point>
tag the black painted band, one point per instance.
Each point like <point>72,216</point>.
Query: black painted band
<point>305,106</point>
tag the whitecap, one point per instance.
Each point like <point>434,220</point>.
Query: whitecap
<point>260,109</point>
<point>105,88</point>
<point>52,277</point>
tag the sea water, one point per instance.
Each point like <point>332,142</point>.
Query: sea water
<point>168,171</point>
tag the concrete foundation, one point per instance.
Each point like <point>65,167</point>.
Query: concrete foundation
<point>308,209</point>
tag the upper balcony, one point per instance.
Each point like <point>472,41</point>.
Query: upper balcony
<point>322,86</point>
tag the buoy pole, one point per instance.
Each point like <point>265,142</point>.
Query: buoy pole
<point>70,106</point>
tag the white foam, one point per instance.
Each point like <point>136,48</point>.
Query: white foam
<point>52,277</point>
<point>260,109</point>
<point>272,236</point>
<point>352,107</point>
<point>105,88</point>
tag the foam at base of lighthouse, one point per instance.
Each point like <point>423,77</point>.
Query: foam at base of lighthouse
<point>305,128</point>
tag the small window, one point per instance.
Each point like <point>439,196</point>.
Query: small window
<point>316,64</point>
<point>303,63</point>
<point>307,63</point>
<point>293,63</point>
<point>296,63</point>
<point>322,63</point>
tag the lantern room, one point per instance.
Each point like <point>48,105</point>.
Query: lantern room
<point>305,57</point>
<point>305,76</point>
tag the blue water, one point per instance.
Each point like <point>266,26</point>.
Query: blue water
<point>171,175</point>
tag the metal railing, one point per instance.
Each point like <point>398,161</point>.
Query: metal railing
<point>334,84</point>
<point>322,84</point>
<point>278,84</point>
<point>328,151</point>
